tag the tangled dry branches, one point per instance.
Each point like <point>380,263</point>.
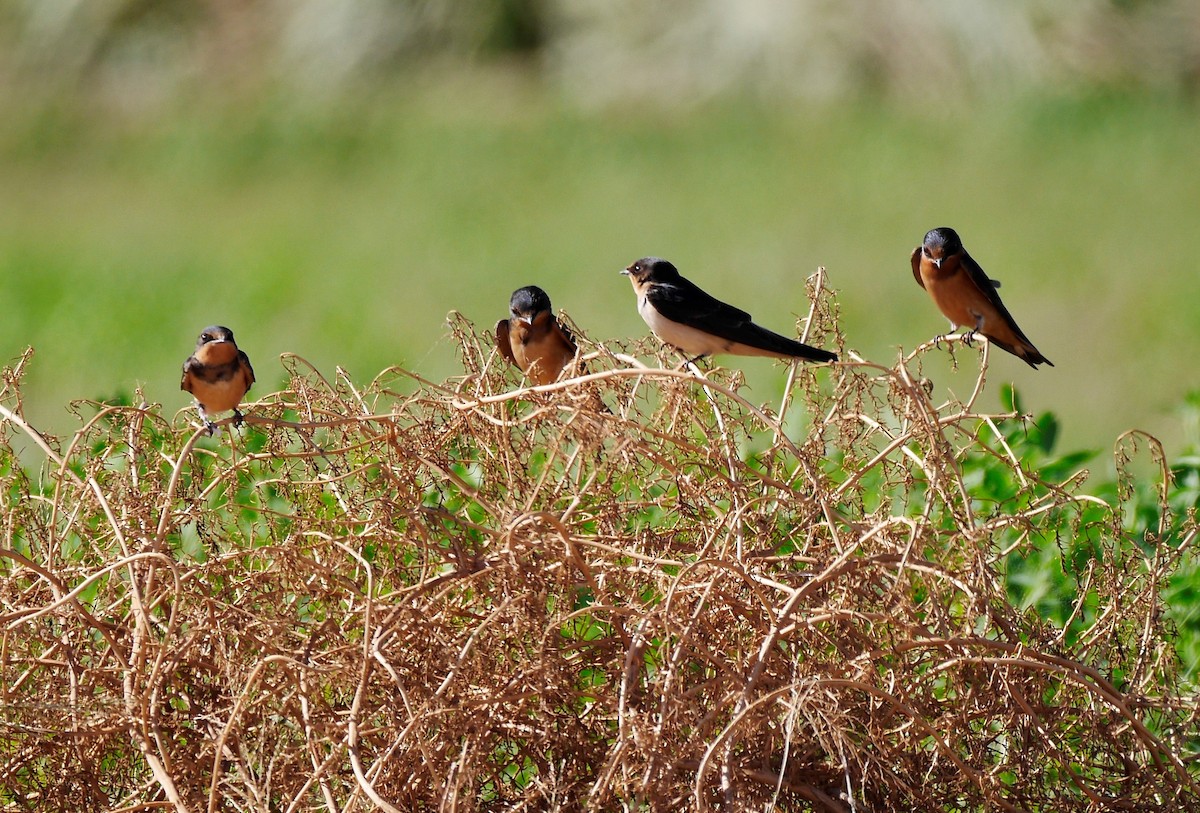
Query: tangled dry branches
<point>633,589</point>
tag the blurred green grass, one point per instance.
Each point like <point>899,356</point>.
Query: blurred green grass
<point>345,233</point>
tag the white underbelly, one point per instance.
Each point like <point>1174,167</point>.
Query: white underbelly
<point>688,339</point>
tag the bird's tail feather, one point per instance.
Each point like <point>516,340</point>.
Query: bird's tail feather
<point>1025,351</point>
<point>782,345</point>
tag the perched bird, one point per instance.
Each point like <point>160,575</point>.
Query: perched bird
<point>967,296</point>
<point>532,338</point>
<point>687,318</point>
<point>218,374</point>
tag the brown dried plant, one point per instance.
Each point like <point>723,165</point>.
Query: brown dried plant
<point>632,589</point>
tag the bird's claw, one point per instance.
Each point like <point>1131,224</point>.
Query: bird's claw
<point>211,428</point>
<point>968,337</point>
<point>237,419</point>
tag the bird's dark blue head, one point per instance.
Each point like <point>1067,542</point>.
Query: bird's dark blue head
<point>528,302</point>
<point>944,238</point>
<point>651,269</point>
<point>941,243</point>
<point>215,333</point>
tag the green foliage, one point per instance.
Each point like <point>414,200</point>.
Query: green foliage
<point>473,592</point>
<point>1049,569</point>
<point>345,232</point>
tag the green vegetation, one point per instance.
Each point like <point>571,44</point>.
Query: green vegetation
<point>469,594</point>
<point>345,233</point>
<point>461,595</point>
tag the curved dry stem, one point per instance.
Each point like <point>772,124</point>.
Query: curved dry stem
<point>630,588</point>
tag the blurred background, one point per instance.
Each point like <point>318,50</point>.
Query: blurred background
<point>331,178</point>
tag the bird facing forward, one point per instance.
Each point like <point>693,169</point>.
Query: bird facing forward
<point>967,297</point>
<point>532,337</point>
<point>218,374</point>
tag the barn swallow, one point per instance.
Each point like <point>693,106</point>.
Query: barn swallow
<point>218,374</point>
<point>533,339</point>
<point>685,317</point>
<point>967,296</point>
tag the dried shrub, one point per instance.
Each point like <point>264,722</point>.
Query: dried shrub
<point>633,588</point>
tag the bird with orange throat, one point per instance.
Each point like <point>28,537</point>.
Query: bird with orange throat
<point>967,296</point>
<point>533,339</point>
<point>218,374</point>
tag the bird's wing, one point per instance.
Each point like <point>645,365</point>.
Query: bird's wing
<point>916,264</point>
<point>686,303</point>
<point>565,334</point>
<point>503,344</point>
<point>987,286</point>
<point>188,366</point>
<point>249,371</point>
